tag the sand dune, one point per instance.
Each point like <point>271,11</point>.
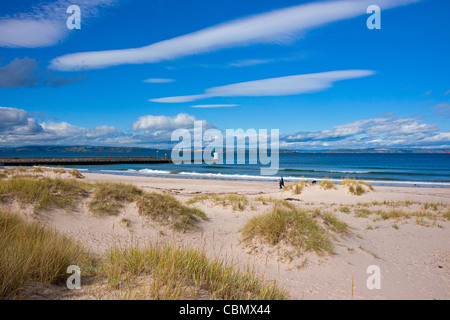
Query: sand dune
<point>412,253</point>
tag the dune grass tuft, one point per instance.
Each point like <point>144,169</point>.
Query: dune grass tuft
<point>105,199</point>
<point>297,188</point>
<point>43,193</point>
<point>289,225</point>
<point>335,224</point>
<point>175,272</point>
<point>76,174</point>
<point>356,187</point>
<point>165,208</point>
<point>237,201</point>
<point>110,197</point>
<point>33,252</point>
<point>327,184</point>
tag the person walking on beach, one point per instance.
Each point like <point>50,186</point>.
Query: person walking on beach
<point>281,182</point>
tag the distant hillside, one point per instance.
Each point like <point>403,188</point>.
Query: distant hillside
<point>75,149</point>
<point>388,150</point>
<point>135,150</point>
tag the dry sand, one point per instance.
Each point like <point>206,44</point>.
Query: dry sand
<point>414,259</point>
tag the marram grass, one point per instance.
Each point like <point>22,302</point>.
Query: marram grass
<point>104,198</point>
<point>357,187</point>
<point>237,201</point>
<point>176,272</point>
<point>109,197</point>
<point>289,225</point>
<point>43,193</point>
<point>166,209</point>
<point>31,251</point>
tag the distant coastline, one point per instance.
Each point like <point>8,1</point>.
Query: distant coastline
<point>111,149</point>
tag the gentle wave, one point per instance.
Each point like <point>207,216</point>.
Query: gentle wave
<point>327,171</point>
<point>67,169</point>
<point>243,177</point>
<point>363,172</point>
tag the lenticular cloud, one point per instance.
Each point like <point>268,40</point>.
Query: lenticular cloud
<point>278,26</point>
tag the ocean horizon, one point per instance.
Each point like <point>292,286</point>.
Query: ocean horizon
<point>391,169</point>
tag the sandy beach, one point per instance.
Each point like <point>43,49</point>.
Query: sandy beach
<point>413,254</point>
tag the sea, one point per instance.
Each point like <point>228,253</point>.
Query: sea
<point>391,169</point>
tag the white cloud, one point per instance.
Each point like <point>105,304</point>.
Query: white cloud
<point>158,80</point>
<point>215,106</point>
<point>45,25</point>
<point>30,33</point>
<point>249,62</point>
<point>18,127</point>
<point>442,110</point>
<point>368,133</point>
<point>278,26</point>
<point>158,123</point>
<point>440,137</point>
<point>282,86</point>
<point>17,122</point>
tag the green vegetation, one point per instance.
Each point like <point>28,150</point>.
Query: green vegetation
<point>110,197</point>
<point>105,199</point>
<point>297,188</point>
<point>237,201</point>
<point>345,209</point>
<point>446,215</point>
<point>357,187</point>
<point>401,210</point>
<point>265,200</point>
<point>44,193</point>
<point>167,209</point>
<point>327,184</point>
<point>59,171</point>
<point>76,174</point>
<point>32,252</point>
<point>335,224</point>
<point>287,224</point>
<point>38,169</point>
<point>362,213</point>
<point>175,272</point>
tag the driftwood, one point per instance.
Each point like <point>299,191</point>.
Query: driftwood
<point>292,199</point>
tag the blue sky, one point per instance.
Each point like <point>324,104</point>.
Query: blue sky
<point>137,70</point>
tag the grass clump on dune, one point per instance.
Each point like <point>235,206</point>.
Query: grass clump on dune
<point>43,193</point>
<point>165,208</point>
<point>357,187</point>
<point>289,225</point>
<point>237,201</point>
<point>327,184</point>
<point>76,174</point>
<point>335,224</point>
<point>33,252</point>
<point>175,272</point>
<point>297,188</point>
<point>110,197</point>
<point>105,199</point>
